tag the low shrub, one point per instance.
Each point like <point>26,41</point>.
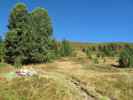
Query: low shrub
<point>108,51</point>
<point>65,49</point>
<point>95,60</point>
<point>88,52</point>
<point>126,58</point>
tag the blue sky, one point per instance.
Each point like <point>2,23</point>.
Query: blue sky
<point>82,20</point>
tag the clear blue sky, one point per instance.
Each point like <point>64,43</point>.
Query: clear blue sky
<point>82,20</point>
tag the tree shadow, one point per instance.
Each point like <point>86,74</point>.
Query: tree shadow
<point>116,66</point>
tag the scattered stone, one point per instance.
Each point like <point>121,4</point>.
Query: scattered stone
<point>26,72</point>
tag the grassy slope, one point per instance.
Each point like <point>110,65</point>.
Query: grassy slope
<point>75,78</point>
<point>112,82</point>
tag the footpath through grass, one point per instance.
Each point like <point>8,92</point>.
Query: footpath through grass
<point>70,79</point>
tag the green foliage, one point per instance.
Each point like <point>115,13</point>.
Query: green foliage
<point>104,98</point>
<point>88,52</point>
<point>107,51</point>
<point>18,17</point>
<point>95,60</point>
<point>29,35</point>
<point>10,46</point>
<point>55,49</point>
<point>41,22</point>
<point>49,56</point>
<point>3,65</point>
<point>14,37</point>
<point>126,58</point>
<point>1,50</point>
<point>9,75</point>
<point>18,62</point>
<point>65,49</point>
<point>98,55</point>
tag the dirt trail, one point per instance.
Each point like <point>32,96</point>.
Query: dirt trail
<point>87,95</point>
<point>68,65</point>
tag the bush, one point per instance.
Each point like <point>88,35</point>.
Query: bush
<point>65,49</point>
<point>98,55</point>
<point>95,60</point>
<point>126,58</point>
<point>55,50</point>
<point>88,53</point>
<point>108,51</point>
<point>50,56</point>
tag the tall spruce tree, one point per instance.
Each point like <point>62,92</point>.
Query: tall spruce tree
<point>41,31</point>
<point>17,22</point>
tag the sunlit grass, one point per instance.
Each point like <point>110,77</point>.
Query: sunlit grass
<point>54,83</point>
<point>48,87</point>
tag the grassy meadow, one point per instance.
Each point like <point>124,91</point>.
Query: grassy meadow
<point>70,78</point>
<point>34,65</point>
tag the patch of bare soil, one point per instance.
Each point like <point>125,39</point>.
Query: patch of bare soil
<point>68,65</point>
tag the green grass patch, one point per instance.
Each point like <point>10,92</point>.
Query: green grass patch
<point>3,65</point>
<point>9,75</point>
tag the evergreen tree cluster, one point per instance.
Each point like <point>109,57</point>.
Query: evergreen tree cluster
<point>28,37</point>
<point>107,49</point>
<point>61,49</point>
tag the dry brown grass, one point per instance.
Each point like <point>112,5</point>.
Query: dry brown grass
<point>51,86</point>
<point>72,79</point>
